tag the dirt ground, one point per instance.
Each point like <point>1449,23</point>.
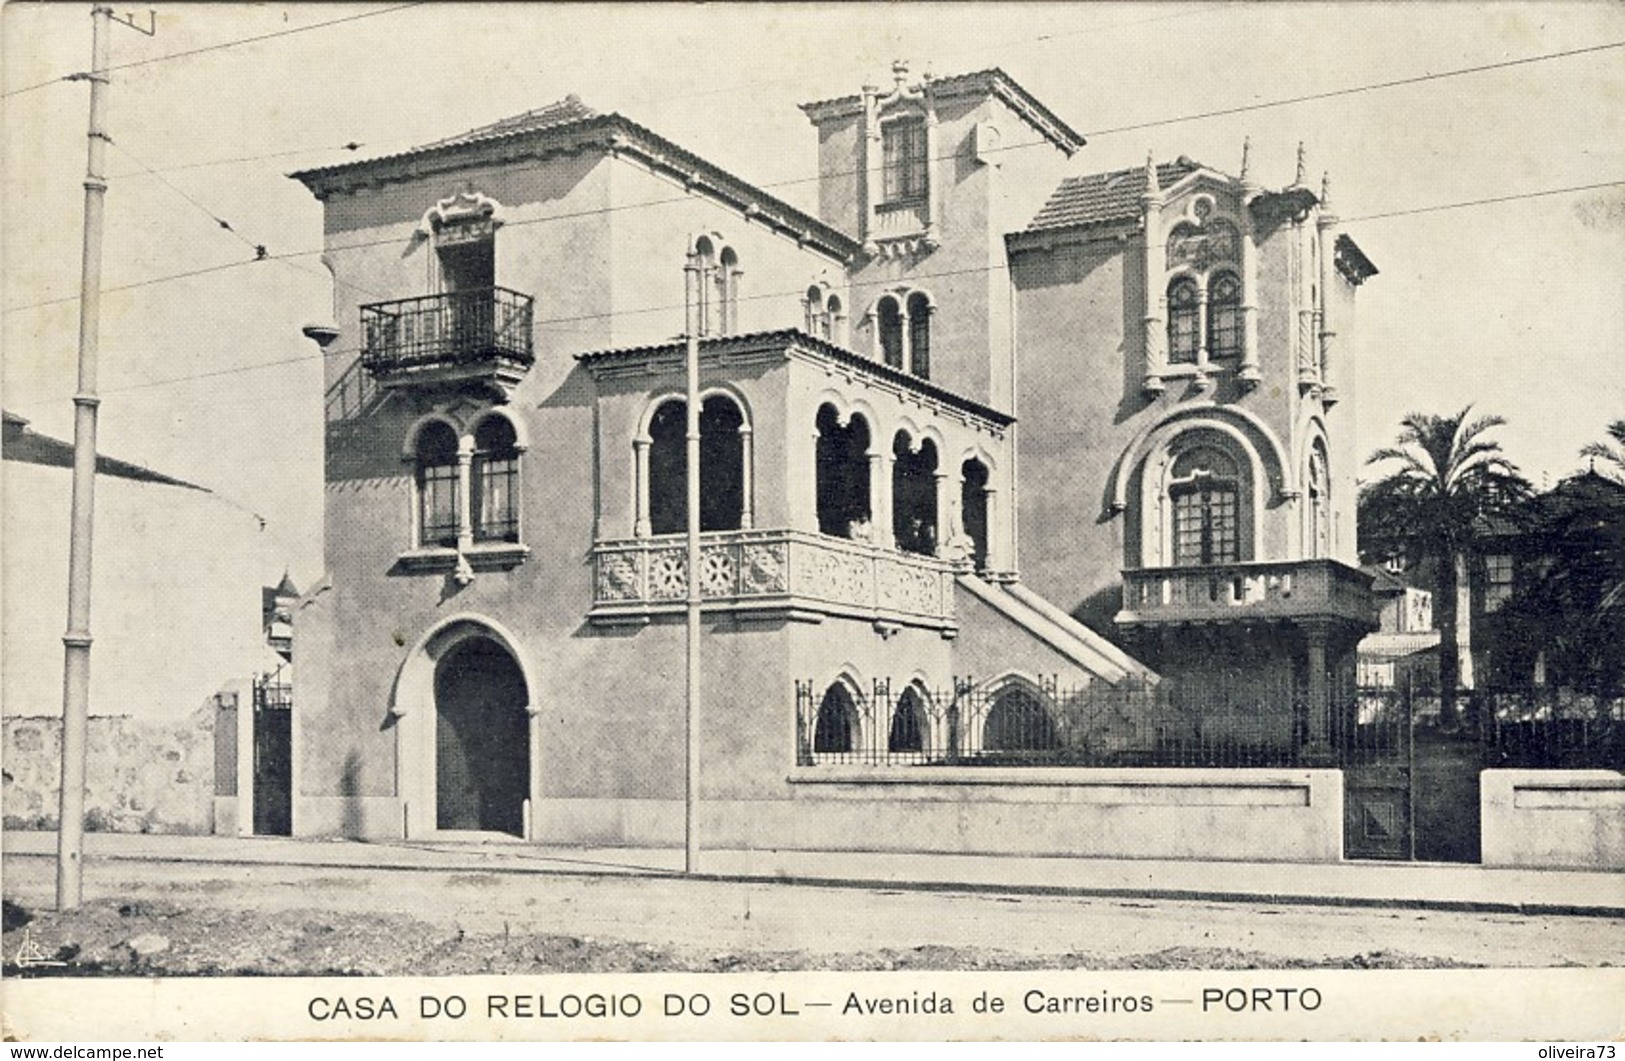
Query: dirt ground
<point>163,938</point>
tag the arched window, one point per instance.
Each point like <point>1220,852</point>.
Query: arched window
<point>728,273</point>
<point>919,335</point>
<point>816,314</point>
<point>836,731</point>
<point>705,260</point>
<point>889,321</point>
<point>914,496</point>
<point>973,505</point>
<point>1224,317</point>
<point>439,499</point>
<point>496,481</point>
<point>908,723</point>
<point>835,319</point>
<point>722,466</point>
<point>1017,720</point>
<point>842,474</point>
<point>1320,522</point>
<point>1205,494</point>
<point>1184,318</point>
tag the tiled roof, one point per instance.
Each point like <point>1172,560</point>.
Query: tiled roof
<point>567,110</point>
<point>30,447</point>
<point>1101,197</point>
<point>785,337</point>
<point>569,125</point>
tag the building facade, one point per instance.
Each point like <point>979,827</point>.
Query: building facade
<point>499,645</point>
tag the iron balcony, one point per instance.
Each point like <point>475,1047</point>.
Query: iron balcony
<point>480,335</point>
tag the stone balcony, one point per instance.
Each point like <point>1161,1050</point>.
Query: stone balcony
<point>1278,590</point>
<point>772,574</point>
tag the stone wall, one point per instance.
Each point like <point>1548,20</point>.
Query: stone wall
<point>1548,818</point>
<point>141,776</point>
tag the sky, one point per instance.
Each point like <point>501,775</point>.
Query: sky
<point>1516,307</point>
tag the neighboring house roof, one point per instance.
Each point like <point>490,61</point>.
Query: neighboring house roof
<point>1386,581</point>
<point>1101,197</point>
<point>30,447</point>
<point>569,126</point>
<point>785,337</point>
<point>992,81</point>
<point>1383,646</point>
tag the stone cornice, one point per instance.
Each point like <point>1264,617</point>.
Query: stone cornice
<point>1352,262</point>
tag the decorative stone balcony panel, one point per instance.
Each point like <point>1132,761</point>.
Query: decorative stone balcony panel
<point>787,573</point>
<point>1247,592</point>
<point>481,336</point>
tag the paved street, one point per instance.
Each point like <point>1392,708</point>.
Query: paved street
<point>736,916</point>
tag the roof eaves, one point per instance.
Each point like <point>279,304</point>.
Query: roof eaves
<point>795,336</point>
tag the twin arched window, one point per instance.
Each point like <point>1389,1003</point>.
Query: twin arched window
<point>826,314</point>
<point>903,332</point>
<point>723,475</point>
<point>488,477</point>
<point>1189,333</point>
<point>717,312</point>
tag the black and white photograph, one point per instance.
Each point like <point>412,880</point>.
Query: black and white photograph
<point>771,521</point>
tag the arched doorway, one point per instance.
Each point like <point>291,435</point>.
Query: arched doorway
<point>482,739</point>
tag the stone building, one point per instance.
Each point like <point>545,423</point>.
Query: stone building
<point>499,644</point>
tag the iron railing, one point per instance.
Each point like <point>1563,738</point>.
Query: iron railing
<point>1224,722</point>
<point>458,328</point>
<point>1042,724</point>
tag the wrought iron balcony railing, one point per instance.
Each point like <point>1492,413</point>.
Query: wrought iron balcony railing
<point>1275,589</point>
<point>484,332</point>
<point>789,570</point>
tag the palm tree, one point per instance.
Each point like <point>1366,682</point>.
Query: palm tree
<point>1612,454</point>
<point>1445,478</point>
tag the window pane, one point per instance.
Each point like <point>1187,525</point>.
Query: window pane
<point>1206,524</point>
<point>1182,322</point>
<point>438,494</point>
<point>903,147</point>
<point>1224,318</point>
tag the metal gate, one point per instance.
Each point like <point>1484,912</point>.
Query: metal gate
<point>1377,747</point>
<point>273,755</point>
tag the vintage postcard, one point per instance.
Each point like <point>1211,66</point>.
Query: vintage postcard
<point>979,521</point>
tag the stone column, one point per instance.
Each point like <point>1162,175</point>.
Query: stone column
<point>465,501</point>
<point>1326,227</point>
<point>640,488</point>
<point>1155,267</point>
<point>997,560</point>
<point>880,532</point>
<point>1317,748</point>
<point>933,186</point>
<point>1249,375</point>
<point>944,514</point>
<point>747,457</point>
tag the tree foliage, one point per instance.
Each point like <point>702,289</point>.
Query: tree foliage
<point>1442,478</point>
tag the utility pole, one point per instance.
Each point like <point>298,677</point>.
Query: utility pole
<point>694,291</point>
<point>76,641</point>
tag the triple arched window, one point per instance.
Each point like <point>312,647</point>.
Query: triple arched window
<point>467,483</point>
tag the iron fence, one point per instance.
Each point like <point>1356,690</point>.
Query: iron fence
<point>1041,723</point>
<point>1216,723</point>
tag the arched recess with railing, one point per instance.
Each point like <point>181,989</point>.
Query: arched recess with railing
<point>1019,716</point>
<point>837,733</point>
